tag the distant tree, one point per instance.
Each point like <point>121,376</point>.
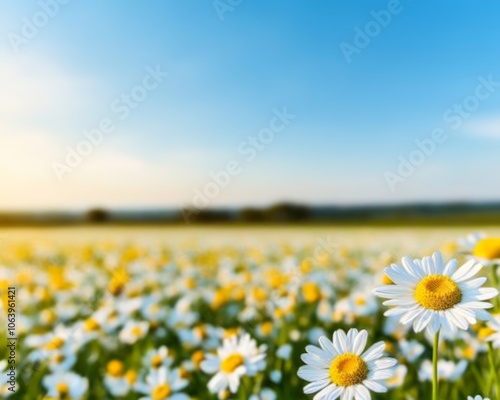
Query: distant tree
<point>252,215</point>
<point>97,215</point>
<point>212,216</point>
<point>287,212</point>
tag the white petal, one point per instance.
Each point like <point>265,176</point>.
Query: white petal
<point>316,386</point>
<point>360,342</point>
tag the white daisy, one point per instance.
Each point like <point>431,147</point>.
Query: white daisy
<point>485,249</point>
<point>239,356</point>
<point>64,385</point>
<point>399,377</point>
<point>432,295</point>
<point>162,384</point>
<point>466,244</point>
<point>411,350</point>
<point>157,358</point>
<point>133,331</point>
<point>342,369</point>
<point>476,398</point>
<point>265,394</point>
<point>118,381</point>
<point>447,370</point>
<point>6,389</point>
<point>494,326</point>
<point>284,352</point>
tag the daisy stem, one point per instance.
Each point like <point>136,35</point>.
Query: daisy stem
<point>494,371</point>
<point>248,388</point>
<point>494,278</point>
<point>435,378</point>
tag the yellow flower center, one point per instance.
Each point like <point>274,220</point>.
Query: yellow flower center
<point>91,325</point>
<point>197,358</point>
<point>55,344</point>
<point>118,282</point>
<point>438,292</point>
<point>184,373</point>
<point>156,361</point>
<point>259,294</point>
<point>136,331</point>
<point>449,248</point>
<point>201,331</point>
<point>62,390</point>
<point>279,313</point>
<point>59,358</point>
<point>225,395</point>
<point>161,392</point>
<point>190,283</point>
<point>115,368</point>
<point>311,292</point>
<point>230,332</point>
<point>488,248</point>
<point>469,353</point>
<point>485,332</point>
<point>131,376</point>
<point>360,301</point>
<point>348,369</point>
<point>239,294</point>
<point>232,362</point>
<point>267,328</point>
<point>49,316</point>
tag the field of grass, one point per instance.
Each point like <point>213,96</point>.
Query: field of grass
<point>159,313</point>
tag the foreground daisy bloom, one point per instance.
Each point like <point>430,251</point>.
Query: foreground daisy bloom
<point>429,294</point>
<point>239,356</point>
<point>476,398</point>
<point>342,369</point>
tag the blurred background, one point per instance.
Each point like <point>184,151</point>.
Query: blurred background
<point>249,112</point>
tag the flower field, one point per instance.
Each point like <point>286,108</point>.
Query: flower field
<point>250,313</point>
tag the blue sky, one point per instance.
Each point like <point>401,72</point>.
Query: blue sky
<point>354,120</point>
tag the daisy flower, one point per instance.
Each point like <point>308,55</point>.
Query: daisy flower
<point>466,244</point>
<point>447,370</point>
<point>157,358</point>
<point>162,384</point>
<point>342,369</point>
<point>265,394</point>
<point>399,377</point>
<point>494,330</point>
<point>133,331</point>
<point>476,398</point>
<point>5,388</point>
<point>485,249</point>
<point>239,356</point>
<point>429,294</point>
<point>411,350</point>
<point>118,382</point>
<point>65,385</point>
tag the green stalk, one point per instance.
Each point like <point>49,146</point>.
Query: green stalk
<point>435,377</point>
<point>493,369</point>
<point>494,278</point>
<point>245,388</point>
